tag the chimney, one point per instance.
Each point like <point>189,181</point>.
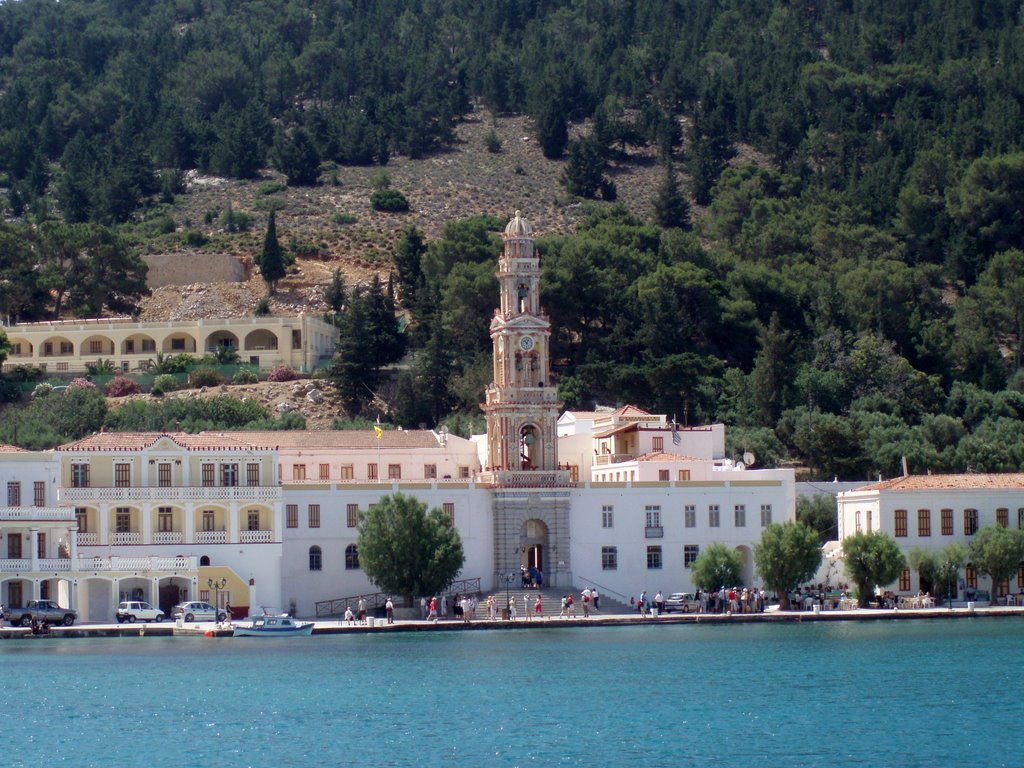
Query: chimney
<point>177,426</point>
<point>103,429</point>
<point>903,461</point>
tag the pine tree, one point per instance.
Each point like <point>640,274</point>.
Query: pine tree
<point>408,260</point>
<point>583,170</point>
<point>335,293</point>
<point>271,259</point>
<point>671,208</point>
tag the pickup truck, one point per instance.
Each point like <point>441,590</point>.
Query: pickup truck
<point>41,610</point>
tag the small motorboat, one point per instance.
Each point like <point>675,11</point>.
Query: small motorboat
<point>274,626</point>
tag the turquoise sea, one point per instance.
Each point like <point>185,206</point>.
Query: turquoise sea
<point>906,693</point>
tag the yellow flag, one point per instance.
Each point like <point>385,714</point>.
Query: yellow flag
<point>378,432</point>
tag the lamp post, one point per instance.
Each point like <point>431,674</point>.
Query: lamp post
<point>507,578</point>
<point>216,585</point>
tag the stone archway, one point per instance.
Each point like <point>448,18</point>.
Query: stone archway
<point>534,546</point>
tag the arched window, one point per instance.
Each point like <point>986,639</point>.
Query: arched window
<point>204,560</point>
<point>315,559</point>
<point>351,558</point>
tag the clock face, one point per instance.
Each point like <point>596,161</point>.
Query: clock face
<point>526,343</point>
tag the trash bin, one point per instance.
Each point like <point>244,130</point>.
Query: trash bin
<point>179,622</point>
<point>817,608</point>
<point>504,614</point>
<point>654,611</point>
<point>369,621</point>
<point>970,605</point>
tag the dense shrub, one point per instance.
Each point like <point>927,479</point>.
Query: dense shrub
<point>163,383</point>
<point>80,383</point>
<point>270,188</point>
<point>42,389</point>
<point>25,373</point>
<point>205,377</point>
<point>282,373</point>
<point>262,307</point>
<point>390,200</point>
<point>245,376</point>
<point>122,386</point>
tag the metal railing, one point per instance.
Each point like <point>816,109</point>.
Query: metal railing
<point>337,606</point>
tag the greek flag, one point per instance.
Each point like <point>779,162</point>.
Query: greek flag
<point>676,437</point>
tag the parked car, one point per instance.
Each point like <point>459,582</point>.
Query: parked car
<point>41,610</point>
<point>197,611</point>
<point>135,610</point>
<point>681,601</point>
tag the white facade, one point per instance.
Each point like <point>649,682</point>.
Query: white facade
<point>931,511</point>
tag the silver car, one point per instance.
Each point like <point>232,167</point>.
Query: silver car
<point>681,601</point>
<point>197,611</point>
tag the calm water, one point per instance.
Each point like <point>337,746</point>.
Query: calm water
<point>918,693</point>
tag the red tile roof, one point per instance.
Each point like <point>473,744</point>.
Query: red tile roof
<point>10,449</point>
<point>662,456</point>
<point>266,440</point>
<point>137,441</point>
<point>964,482</point>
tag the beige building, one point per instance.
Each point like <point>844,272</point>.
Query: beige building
<point>66,346</point>
<point>151,509</point>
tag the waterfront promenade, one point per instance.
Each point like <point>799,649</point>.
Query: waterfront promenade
<point>338,627</point>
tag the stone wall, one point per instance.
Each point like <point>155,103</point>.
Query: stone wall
<point>185,269</point>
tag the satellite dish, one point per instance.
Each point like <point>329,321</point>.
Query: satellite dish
<point>740,465</point>
<point>749,458</point>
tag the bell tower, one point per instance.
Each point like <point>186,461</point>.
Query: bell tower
<point>521,403</point>
<point>531,496</point>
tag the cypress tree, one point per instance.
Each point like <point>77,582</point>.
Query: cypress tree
<point>671,208</point>
<point>271,259</point>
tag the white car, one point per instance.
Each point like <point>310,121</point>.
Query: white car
<point>197,611</point>
<point>135,610</point>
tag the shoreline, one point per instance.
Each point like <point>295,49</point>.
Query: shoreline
<point>338,627</point>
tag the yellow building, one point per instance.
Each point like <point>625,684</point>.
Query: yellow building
<point>151,509</point>
<point>265,342</point>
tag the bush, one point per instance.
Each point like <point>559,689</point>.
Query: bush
<point>80,383</point>
<point>389,200</point>
<point>245,376</point>
<point>344,218</point>
<point>10,392</point>
<point>195,239</point>
<point>271,187</point>
<point>42,390</point>
<point>25,373</point>
<point>205,377</point>
<point>235,221</point>
<point>262,307</point>
<point>122,386</point>
<point>492,142</point>
<point>163,383</point>
<point>161,225</point>
<point>282,373</point>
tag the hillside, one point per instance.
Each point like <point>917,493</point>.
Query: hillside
<point>466,180</point>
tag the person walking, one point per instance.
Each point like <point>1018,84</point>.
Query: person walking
<point>596,597</point>
<point>538,608</point>
<point>432,614</point>
<point>389,609</point>
<point>361,611</point>
<point>512,609</point>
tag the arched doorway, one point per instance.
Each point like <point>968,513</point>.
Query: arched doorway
<point>533,546</point>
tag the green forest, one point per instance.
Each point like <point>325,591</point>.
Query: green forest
<point>834,267</point>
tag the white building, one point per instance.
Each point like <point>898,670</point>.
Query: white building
<point>930,511</point>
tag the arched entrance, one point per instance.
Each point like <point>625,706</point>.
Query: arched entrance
<point>533,546</point>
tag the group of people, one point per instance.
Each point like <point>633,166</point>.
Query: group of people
<point>531,578</point>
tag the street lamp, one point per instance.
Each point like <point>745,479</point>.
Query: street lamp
<point>507,578</point>
<point>216,585</point>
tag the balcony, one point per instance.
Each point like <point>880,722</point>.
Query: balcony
<point>168,537</point>
<point>136,564</point>
<point>654,532</point>
<point>41,514</point>
<point>45,565</point>
<point>256,537</point>
<point>519,395</point>
<point>559,478</point>
<point>197,493</point>
<point>613,458</point>
<point>125,537</point>
<point>88,539</point>
<point>211,537</point>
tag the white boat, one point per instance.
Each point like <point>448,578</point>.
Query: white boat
<point>274,626</point>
